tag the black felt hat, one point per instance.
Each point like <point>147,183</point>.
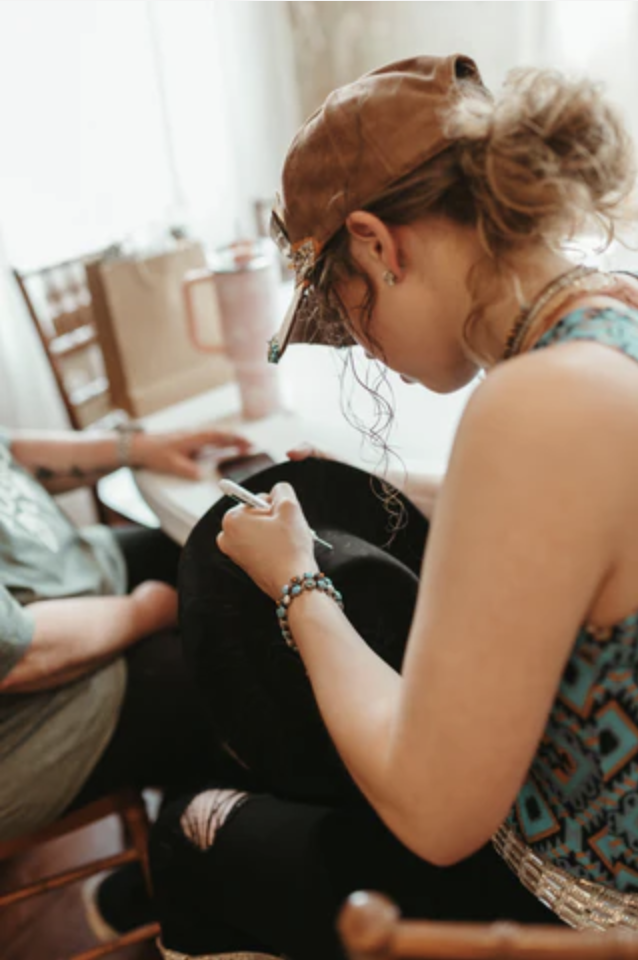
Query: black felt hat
<point>254,687</point>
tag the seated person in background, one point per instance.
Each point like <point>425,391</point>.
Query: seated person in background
<point>92,692</point>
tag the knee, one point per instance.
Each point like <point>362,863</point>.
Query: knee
<point>207,813</point>
<point>188,827</point>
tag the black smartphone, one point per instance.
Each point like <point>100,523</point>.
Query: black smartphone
<point>240,468</point>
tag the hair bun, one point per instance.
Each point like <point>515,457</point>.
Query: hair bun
<point>546,156</point>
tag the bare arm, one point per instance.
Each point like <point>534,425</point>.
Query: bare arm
<point>75,636</point>
<point>525,536</point>
<point>530,510</point>
<point>65,460</point>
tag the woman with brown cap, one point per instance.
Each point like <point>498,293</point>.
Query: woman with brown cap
<point>427,222</point>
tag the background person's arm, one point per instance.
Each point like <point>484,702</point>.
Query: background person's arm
<point>65,460</point>
<point>72,637</point>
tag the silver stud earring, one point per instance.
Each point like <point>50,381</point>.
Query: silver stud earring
<point>390,278</point>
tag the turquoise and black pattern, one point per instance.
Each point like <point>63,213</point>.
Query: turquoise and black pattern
<point>579,806</point>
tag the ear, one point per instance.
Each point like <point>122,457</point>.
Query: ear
<point>373,243</point>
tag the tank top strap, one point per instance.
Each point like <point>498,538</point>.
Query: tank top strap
<point>613,326</point>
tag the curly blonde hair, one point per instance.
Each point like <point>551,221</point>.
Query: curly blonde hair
<point>546,159</point>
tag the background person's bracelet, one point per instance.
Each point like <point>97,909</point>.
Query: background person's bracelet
<point>125,433</point>
<point>296,586</point>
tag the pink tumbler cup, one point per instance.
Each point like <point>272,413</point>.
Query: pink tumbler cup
<point>246,280</point>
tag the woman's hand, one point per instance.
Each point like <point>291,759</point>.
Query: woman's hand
<point>304,450</point>
<point>176,453</point>
<point>271,546</point>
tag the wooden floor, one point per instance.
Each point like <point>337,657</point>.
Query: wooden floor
<point>52,926</point>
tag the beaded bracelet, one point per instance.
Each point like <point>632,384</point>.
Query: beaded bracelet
<point>309,581</point>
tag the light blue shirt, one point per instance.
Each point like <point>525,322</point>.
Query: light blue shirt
<point>49,741</point>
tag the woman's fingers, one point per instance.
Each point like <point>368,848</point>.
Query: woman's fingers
<point>217,439</point>
<point>283,493</point>
<point>304,450</point>
<point>221,540</point>
<point>185,467</point>
<point>233,439</point>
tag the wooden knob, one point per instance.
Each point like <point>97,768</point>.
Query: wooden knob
<point>366,924</point>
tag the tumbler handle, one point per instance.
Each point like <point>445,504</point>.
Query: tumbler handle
<point>192,279</point>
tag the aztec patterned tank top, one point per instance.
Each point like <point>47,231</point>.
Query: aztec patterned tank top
<point>578,808</point>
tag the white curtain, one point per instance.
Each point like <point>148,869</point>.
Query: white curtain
<point>118,120</point>
<point>335,42</point>
<point>599,40</point>
<point>28,392</point>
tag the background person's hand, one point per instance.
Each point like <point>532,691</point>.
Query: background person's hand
<point>270,546</point>
<point>176,453</point>
<point>304,450</point>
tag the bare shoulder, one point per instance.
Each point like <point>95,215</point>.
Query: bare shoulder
<point>574,391</point>
<point>557,425</point>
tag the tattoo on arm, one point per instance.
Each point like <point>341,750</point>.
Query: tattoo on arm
<point>73,475</point>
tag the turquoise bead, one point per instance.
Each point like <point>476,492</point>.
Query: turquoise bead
<point>285,590</point>
<point>281,612</point>
<point>309,584</point>
<point>296,590</point>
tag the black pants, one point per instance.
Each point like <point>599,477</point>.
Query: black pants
<point>278,872</point>
<point>163,738</point>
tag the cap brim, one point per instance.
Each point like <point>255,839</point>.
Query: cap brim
<point>300,326</point>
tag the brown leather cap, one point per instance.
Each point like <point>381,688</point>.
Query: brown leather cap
<point>366,136</point>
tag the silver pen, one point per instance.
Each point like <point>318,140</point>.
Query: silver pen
<point>241,495</point>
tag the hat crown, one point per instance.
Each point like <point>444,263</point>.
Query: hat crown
<point>365,136</point>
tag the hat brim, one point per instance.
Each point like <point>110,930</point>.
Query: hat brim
<point>254,687</point>
<point>300,326</point>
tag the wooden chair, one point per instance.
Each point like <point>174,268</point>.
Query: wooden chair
<point>129,806</point>
<point>371,929</point>
<point>59,303</point>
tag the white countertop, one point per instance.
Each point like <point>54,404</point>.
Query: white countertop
<point>422,432</point>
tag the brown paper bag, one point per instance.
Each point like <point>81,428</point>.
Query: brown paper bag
<point>140,317</point>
